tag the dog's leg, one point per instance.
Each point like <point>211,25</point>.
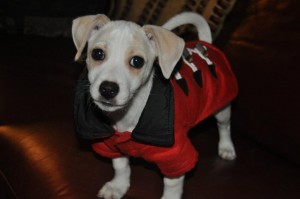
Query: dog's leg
<point>173,188</point>
<point>118,186</point>
<point>226,148</point>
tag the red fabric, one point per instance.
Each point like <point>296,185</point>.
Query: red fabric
<point>189,111</point>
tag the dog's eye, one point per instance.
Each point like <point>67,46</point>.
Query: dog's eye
<point>98,54</point>
<point>137,62</point>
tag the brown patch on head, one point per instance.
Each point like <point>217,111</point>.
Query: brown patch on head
<point>136,49</point>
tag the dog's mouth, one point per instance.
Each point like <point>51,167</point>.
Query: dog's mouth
<point>109,105</point>
<point>106,103</point>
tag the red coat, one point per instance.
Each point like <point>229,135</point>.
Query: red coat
<point>163,138</point>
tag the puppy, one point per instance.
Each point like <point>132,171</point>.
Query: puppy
<point>142,91</point>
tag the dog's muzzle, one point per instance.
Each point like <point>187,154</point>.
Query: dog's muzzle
<point>109,90</point>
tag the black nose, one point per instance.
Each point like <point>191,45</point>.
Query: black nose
<point>109,90</point>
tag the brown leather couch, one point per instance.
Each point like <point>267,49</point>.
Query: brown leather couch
<point>42,158</point>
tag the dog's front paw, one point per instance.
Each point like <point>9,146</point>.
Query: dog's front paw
<point>113,190</point>
<point>226,150</point>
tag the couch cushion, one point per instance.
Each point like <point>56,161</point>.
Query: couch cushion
<point>263,47</point>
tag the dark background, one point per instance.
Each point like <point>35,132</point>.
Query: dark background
<point>14,12</point>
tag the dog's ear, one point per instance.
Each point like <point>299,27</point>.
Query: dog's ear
<point>168,47</point>
<point>84,27</point>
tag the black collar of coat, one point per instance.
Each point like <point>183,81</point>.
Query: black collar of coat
<point>156,123</point>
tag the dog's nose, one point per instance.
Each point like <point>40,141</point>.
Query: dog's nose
<point>109,90</point>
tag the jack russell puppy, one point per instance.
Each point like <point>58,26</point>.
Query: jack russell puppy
<point>143,89</point>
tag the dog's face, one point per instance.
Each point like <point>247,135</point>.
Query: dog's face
<point>120,57</point>
<point>120,60</point>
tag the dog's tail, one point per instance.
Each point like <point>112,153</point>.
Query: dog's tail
<point>197,20</point>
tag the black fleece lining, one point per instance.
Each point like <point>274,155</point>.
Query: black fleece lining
<point>155,126</point>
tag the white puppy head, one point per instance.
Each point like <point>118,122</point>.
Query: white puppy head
<point>120,57</point>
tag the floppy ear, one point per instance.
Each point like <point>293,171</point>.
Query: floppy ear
<point>84,27</point>
<point>168,47</point>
